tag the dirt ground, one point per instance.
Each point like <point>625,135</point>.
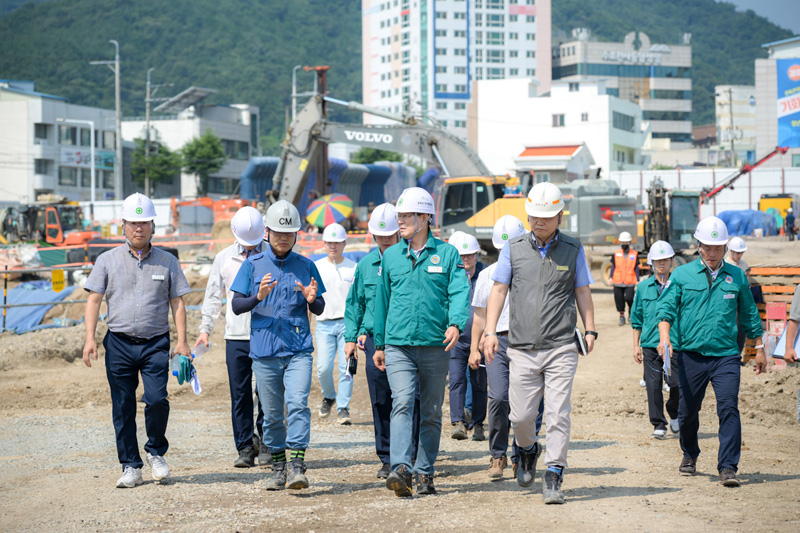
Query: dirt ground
<point>58,461</point>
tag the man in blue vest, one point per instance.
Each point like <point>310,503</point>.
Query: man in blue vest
<point>279,287</point>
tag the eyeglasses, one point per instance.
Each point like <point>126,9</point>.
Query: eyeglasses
<point>405,216</point>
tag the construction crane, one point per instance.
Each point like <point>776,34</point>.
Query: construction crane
<point>728,182</point>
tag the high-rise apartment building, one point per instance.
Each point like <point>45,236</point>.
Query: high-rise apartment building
<point>422,56</point>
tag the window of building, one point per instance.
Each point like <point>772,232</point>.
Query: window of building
<point>541,177</point>
<point>530,2</point>
<point>405,21</point>
<point>441,51</point>
<point>513,72</point>
<point>42,166</point>
<point>574,87</point>
<point>396,55</point>
<point>441,105</point>
<point>396,37</point>
<point>406,76</point>
<point>444,123</point>
<point>495,21</point>
<point>108,179</point>
<point>479,55</point>
<point>68,135</point>
<point>461,123</point>
<point>530,19</point>
<point>441,33</point>
<point>495,4</point>
<point>441,15</point>
<point>68,176</point>
<point>405,89</point>
<point>796,160</point>
<point>460,106</point>
<point>530,72</point>
<point>441,70</point>
<point>441,87</point>
<point>530,36</point>
<point>40,132</point>
<point>478,37</point>
<point>513,53</point>
<point>513,18</point>
<point>460,70</point>
<point>558,121</point>
<point>584,117</point>
<point>460,51</point>
<point>495,56</point>
<point>86,178</point>
<point>495,74</point>
<point>513,2</point>
<point>623,122</point>
<point>396,92</point>
<point>666,115</point>
<point>461,88</point>
<point>405,39</point>
<point>86,137</point>
<point>530,54</point>
<point>478,20</point>
<point>495,37</point>
<point>236,149</point>
<point>221,185</point>
<point>513,36</point>
<point>109,139</point>
<point>460,16</point>
<point>459,33</point>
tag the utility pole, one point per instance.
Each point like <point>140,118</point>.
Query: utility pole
<point>733,131</point>
<point>114,66</point>
<point>147,134</point>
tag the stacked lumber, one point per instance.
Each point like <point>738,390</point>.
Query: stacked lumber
<point>777,285</point>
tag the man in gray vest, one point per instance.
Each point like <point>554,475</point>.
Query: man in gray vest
<point>548,275</point>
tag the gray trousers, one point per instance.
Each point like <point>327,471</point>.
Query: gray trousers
<point>533,373</point>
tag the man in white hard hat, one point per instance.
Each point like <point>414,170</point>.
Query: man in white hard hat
<point>550,276</point>
<point>505,229</point>
<point>337,273</point>
<point>141,284</point>
<point>644,322</point>
<point>421,307</point>
<point>359,331</point>
<point>791,228</point>
<point>278,287</point>
<point>624,275</point>
<point>247,226</point>
<point>702,299</point>
<point>468,247</point>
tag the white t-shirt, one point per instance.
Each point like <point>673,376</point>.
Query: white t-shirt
<point>337,280</point>
<point>480,298</point>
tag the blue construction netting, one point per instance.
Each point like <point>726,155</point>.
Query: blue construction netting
<point>351,180</point>
<point>428,179</point>
<point>372,186</point>
<point>24,319</point>
<point>257,178</point>
<point>746,221</point>
<point>403,176</point>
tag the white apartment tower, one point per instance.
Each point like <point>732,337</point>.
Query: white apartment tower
<point>424,55</point>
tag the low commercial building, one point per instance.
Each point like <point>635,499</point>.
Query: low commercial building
<point>507,116</point>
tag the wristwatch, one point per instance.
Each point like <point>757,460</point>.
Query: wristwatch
<point>380,348</point>
<point>454,326</point>
<point>487,334</point>
<point>590,332</point>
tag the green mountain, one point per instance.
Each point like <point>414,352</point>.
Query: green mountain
<point>246,48</point>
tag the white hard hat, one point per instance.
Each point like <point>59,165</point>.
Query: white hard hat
<point>464,243</point>
<point>789,210</point>
<point>416,200</point>
<point>544,201</point>
<point>625,237</point>
<point>660,250</point>
<point>383,221</point>
<point>248,226</point>
<point>138,208</point>
<point>283,216</point>
<point>506,228</point>
<point>334,233</point>
<point>736,244</point>
<point>711,231</point>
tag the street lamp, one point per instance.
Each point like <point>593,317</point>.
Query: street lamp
<point>118,162</point>
<point>91,154</point>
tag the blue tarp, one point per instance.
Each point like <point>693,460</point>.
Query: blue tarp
<point>24,319</point>
<point>746,221</point>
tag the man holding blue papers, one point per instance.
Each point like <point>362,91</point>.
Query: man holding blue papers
<point>645,341</point>
<point>702,298</point>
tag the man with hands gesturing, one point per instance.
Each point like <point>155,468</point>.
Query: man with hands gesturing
<point>278,287</point>
<point>422,305</point>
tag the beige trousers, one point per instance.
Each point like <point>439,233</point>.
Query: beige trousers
<point>533,373</point>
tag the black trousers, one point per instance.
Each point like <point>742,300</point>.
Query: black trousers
<point>653,373</point>
<point>240,379</point>
<point>623,295</point>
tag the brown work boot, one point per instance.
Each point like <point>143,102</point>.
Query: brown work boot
<point>496,467</point>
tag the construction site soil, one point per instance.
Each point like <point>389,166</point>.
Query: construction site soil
<point>58,461</point>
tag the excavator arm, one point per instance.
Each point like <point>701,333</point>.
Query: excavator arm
<point>728,182</point>
<point>311,130</point>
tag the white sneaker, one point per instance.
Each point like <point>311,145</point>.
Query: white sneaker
<point>159,466</point>
<point>130,478</point>
<point>673,425</point>
<point>659,434</point>
<point>642,383</point>
<point>666,387</point>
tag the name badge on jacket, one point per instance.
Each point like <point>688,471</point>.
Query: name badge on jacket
<point>158,277</point>
<point>435,270</point>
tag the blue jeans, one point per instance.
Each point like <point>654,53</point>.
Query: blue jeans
<point>288,379</point>
<point>330,348</point>
<point>124,361</point>
<point>695,371</point>
<point>404,366</point>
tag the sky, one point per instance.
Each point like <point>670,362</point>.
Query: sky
<point>784,13</point>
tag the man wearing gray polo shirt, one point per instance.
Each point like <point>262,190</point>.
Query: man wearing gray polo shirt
<point>141,283</point>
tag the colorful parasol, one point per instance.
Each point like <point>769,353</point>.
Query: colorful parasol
<point>329,209</point>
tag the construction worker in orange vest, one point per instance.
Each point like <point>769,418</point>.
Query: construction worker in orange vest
<point>624,275</point>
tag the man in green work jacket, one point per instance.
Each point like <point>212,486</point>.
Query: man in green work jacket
<point>422,306</point>
<point>645,341</point>
<point>702,298</point>
<point>358,319</point>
